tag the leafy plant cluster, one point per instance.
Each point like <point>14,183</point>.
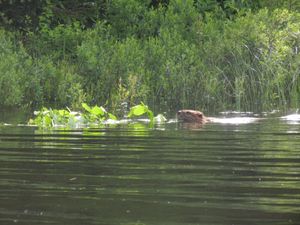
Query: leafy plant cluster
<point>210,55</point>
<point>90,116</point>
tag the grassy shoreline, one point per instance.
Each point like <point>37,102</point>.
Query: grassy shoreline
<point>175,59</point>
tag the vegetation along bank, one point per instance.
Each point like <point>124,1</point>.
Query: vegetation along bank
<point>171,54</point>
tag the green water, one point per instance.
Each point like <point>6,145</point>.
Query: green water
<point>172,174</point>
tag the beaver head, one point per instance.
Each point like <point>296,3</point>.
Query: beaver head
<point>191,116</point>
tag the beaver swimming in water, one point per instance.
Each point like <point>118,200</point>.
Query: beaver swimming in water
<point>192,116</point>
<point>197,117</point>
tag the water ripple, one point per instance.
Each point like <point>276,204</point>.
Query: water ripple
<point>214,174</point>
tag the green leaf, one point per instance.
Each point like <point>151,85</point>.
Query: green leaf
<point>47,121</point>
<point>98,111</point>
<point>111,116</point>
<point>86,107</point>
<point>138,110</point>
<point>63,112</point>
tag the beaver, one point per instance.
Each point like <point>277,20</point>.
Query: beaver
<point>192,116</point>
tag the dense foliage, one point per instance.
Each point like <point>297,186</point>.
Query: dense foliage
<point>209,55</point>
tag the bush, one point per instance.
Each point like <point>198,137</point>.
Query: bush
<point>13,64</point>
<point>25,81</point>
<point>59,43</point>
<point>111,70</point>
<point>126,17</point>
<point>53,85</point>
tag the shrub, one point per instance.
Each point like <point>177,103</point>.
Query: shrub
<point>13,64</point>
<point>127,17</point>
<point>25,81</point>
<point>59,43</point>
<point>111,69</point>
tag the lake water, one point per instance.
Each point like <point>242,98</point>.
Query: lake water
<point>172,174</point>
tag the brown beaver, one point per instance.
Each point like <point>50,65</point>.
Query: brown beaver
<point>192,116</point>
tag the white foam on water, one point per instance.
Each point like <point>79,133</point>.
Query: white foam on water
<point>293,117</point>
<point>235,120</point>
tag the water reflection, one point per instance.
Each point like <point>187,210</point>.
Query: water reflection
<point>170,174</point>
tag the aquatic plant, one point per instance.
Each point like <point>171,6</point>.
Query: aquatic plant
<point>55,117</point>
<point>140,110</point>
<point>65,117</point>
<point>96,113</point>
<point>89,115</point>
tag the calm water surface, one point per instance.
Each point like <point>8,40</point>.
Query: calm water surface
<point>172,174</point>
